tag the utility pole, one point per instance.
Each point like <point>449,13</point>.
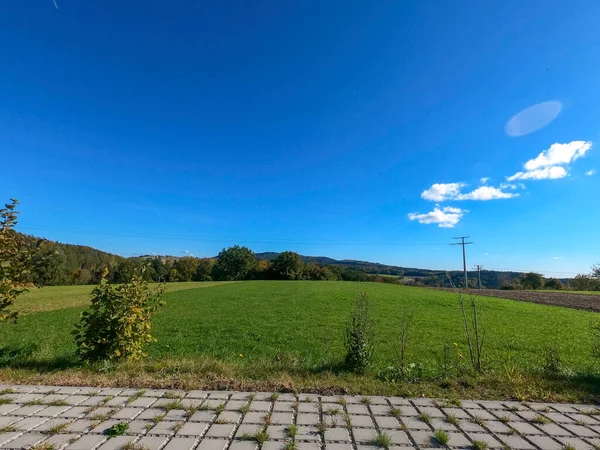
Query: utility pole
<point>463,243</point>
<point>479,267</point>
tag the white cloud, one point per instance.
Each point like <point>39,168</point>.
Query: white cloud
<point>439,192</point>
<point>557,257</point>
<point>559,155</point>
<point>589,173</point>
<point>186,251</point>
<point>547,173</point>
<point>445,217</point>
<point>486,193</point>
<point>484,180</point>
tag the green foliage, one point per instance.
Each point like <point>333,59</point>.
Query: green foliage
<point>382,440</point>
<point>13,262</point>
<point>118,324</point>
<point>234,263</point>
<point>552,361</point>
<point>204,269</point>
<point>186,268</point>
<point>287,266</point>
<point>553,283</point>
<point>532,280</point>
<point>442,437</point>
<point>359,337</point>
<point>118,429</point>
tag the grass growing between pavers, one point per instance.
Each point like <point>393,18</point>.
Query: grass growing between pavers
<point>289,336</point>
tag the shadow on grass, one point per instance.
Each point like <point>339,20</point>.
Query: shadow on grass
<point>335,367</point>
<point>24,357</point>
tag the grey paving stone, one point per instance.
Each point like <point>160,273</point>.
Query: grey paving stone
<point>254,417</point>
<point>212,444</point>
<point>490,440</point>
<point>29,423</point>
<point>337,446</point>
<point>307,419</point>
<point>154,393</point>
<point>564,408</point>
<point>414,424</point>
<point>116,443</point>
<point>104,426</point>
<point>92,401</point>
<point>191,402</point>
<point>439,424</point>
<point>100,412</point>
<point>409,411</point>
<point>52,423</point>
<point>423,401</point>
<point>557,417</point>
<point>491,404</point>
<point>192,429</point>
<point>68,390</point>
<point>5,409</point>
<point>27,410</point>
<point>235,405</point>
<point>457,412</point>
<point>422,438</point>
<point>61,440</point>
<point>127,413</point>
<point>307,433</point>
<point>203,416</point>
<point>75,412</point>
<point>380,410</point>
<point>75,400</point>
<point>334,421</point>
<point>397,437</point>
<point>529,415</point>
<point>24,398</point>
<point>387,422</point>
<point>248,445</point>
<point>259,406</point>
<point>277,432</point>
<point>112,392</point>
<point>185,444</point>
<point>272,445</point>
<point>525,428</point>
<point>87,442</point>
<point>24,441</point>
<point>457,440</point>
<point>7,420</point>
<point>574,442</point>
<point>139,427</point>
<point>355,409</point>
<point>284,406</point>
<point>54,397</point>
<point>237,395</point>
<point>151,413</point>
<point>232,416</point>
<point>247,429</point>
<point>162,429</point>
<point>496,427</point>
<point>308,446</point>
<point>175,415</point>
<point>515,442</point>
<point>483,414</point>
<point>309,408</point>
<point>361,421</point>
<point>7,437</point>
<point>433,412</point>
<point>336,434</point>
<point>364,435</point>
<point>152,442</point>
<point>221,431</point>
<point>471,427</point>
<point>52,411</point>
<point>79,426</point>
<point>398,401</point>
<point>545,442</point>
<point>142,402</point>
<point>224,395</point>
<point>554,430</point>
<point>580,431</point>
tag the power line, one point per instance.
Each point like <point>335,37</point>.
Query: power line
<point>463,243</point>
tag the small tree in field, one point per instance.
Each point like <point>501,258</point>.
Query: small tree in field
<point>119,322</point>
<point>13,261</point>
<point>360,335</point>
<point>532,280</point>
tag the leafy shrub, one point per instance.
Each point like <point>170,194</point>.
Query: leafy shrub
<point>118,324</point>
<point>552,361</point>
<point>13,261</point>
<point>359,338</point>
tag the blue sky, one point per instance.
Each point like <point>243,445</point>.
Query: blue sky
<point>355,130</point>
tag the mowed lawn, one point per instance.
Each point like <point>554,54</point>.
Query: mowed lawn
<point>298,326</point>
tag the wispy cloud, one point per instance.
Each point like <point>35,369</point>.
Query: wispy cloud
<point>548,165</point>
<point>484,180</point>
<point>440,192</point>
<point>445,217</point>
<point>547,173</point>
<point>557,257</point>
<point>589,173</point>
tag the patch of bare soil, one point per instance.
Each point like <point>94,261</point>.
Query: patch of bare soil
<point>564,299</point>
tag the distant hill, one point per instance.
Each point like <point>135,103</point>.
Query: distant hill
<point>78,264</point>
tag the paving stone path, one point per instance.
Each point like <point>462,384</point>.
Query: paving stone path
<point>80,418</point>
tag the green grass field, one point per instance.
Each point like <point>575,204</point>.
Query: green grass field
<point>289,335</point>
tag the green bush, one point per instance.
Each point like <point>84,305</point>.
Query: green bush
<point>119,322</point>
<point>360,335</point>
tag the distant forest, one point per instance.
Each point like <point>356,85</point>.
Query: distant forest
<point>54,263</point>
